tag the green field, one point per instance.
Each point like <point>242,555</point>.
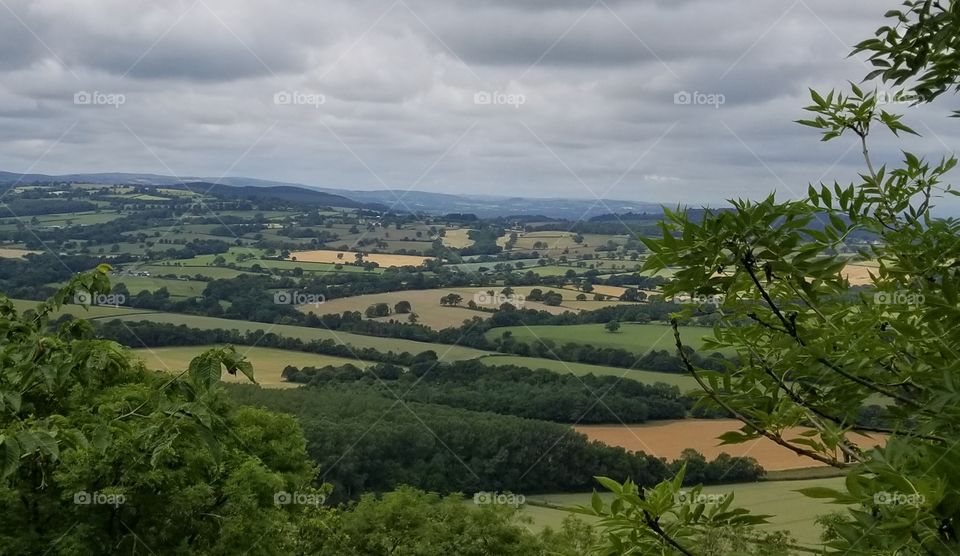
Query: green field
<point>791,510</point>
<point>638,338</point>
<point>267,363</point>
<point>444,352</point>
<point>684,382</point>
<point>92,312</point>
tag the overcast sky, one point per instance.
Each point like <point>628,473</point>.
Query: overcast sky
<point>551,98</point>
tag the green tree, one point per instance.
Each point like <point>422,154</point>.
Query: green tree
<point>814,350</point>
<point>612,326</point>
<point>97,452</point>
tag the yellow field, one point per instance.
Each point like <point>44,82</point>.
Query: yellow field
<point>6,253</point>
<point>669,438</point>
<point>457,239</point>
<point>426,304</point>
<point>859,274</point>
<point>348,257</point>
<point>267,363</point>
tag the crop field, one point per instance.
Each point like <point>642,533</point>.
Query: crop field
<point>669,438</point>
<point>457,238</point>
<point>444,352</point>
<point>859,273</point>
<point>267,363</point>
<point>684,382</point>
<point>6,253</point>
<point>638,338</point>
<point>331,256</point>
<point>790,509</point>
<point>426,304</point>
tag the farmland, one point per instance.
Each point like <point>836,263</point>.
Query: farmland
<point>638,338</point>
<point>669,439</point>
<point>267,363</point>
<point>790,509</point>
<point>685,383</point>
<point>328,256</point>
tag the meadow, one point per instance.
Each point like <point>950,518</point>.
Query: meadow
<point>444,352</point>
<point>790,510</point>
<point>638,338</point>
<point>267,363</point>
<point>684,382</point>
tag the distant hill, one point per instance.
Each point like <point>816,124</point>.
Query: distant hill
<point>484,206</point>
<point>283,192</point>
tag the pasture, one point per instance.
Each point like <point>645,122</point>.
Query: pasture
<point>267,363</point>
<point>791,510</point>
<point>638,338</point>
<point>683,382</point>
<point>444,352</point>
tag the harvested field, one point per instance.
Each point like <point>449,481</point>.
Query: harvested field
<point>669,438</point>
<point>331,256</point>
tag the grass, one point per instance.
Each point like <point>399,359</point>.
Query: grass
<point>444,352</point>
<point>177,288</point>
<point>684,382</point>
<point>638,338</point>
<point>267,363</point>
<point>789,509</point>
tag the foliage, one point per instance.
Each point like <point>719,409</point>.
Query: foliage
<point>98,452</point>
<point>814,350</point>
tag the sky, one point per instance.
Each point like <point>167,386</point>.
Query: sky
<point>688,101</point>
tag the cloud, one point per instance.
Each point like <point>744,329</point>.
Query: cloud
<point>560,98</point>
